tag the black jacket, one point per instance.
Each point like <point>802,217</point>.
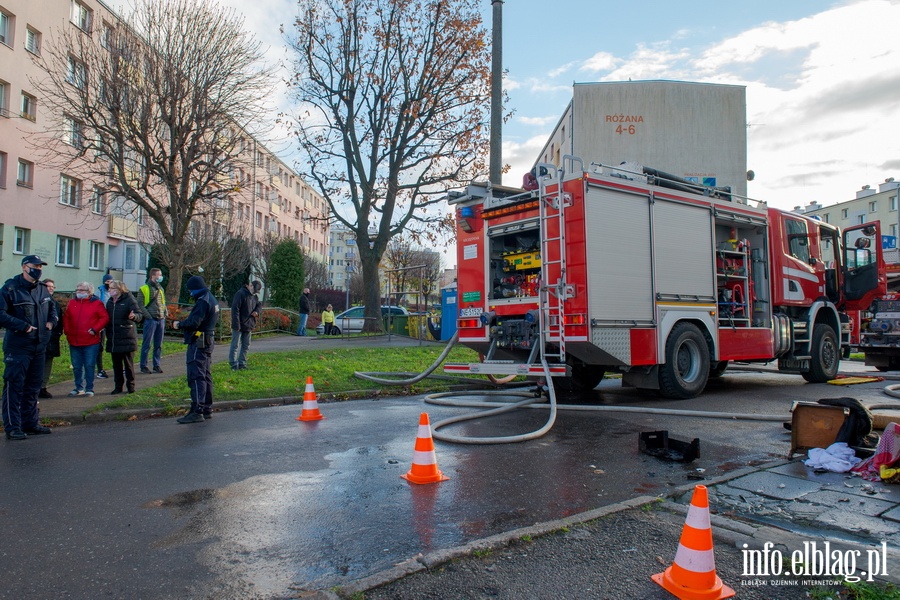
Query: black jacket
<point>203,317</point>
<point>121,332</point>
<point>304,304</point>
<point>243,305</point>
<point>53,348</point>
<point>24,304</point>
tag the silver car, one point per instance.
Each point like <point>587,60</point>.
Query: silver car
<point>352,320</point>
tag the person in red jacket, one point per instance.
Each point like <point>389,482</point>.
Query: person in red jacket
<point>85,318</point>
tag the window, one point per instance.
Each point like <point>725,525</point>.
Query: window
<point>97,201</point>
<point>107,38</point>
<point>96,256</point>
<point>74,135</point>
<point>826,217</point>
<point>4,98</point>
<point>23,241</point>
<point>844,213</point>
<point>77,73</point>
<point>258,219</point>
<point>29,107</point>
<point>7,26</point>
<point>893,201</point>
<point>32,40</point>
<point>66,251</point>
<point>26,173</point>
<point>82,16</point>
<point>4,157</point>
<point>860,219</point>
<point>69,191</point>
<point>873,206</point>
<point>798,239</point>
<point>894,229</point>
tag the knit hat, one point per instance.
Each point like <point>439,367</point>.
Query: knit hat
<point>257,285</point>
<point>107,277</point>
<point>195,283</point>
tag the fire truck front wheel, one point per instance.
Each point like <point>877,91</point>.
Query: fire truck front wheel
<point>826,355</point>
<point>686,370</point>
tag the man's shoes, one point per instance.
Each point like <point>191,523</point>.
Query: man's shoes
<point>16,434</point>
<point>145,370</point>
<point>191,417</point>
<point>89,393</point>
<point>74,393</point>
<point>102,375</point>
<point>116,391</point>
<point>157,370</point>
<point>207,416</point>
<point>44,393</point>
<point>131,390</point>
<point>38,430</point>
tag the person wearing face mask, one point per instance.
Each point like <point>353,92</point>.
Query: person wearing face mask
<point>199,334</point>
<point>29,315</point>
<point>103,294</point>
<point>53,348</point>
<point>85,318</point>
<point>121,334</point>
<point>154,299</point>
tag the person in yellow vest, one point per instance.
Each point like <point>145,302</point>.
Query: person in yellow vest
<point>328,320</point>
<point>154,300</point>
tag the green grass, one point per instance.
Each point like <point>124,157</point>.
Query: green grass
<point>283,374</point>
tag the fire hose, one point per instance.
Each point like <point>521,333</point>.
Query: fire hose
<point>531,400</point>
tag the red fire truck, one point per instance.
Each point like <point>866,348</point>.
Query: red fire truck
<point>628,269</point>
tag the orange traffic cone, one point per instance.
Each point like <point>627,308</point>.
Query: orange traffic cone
<point>424,466</point>
<point>310,406</point>
<point>693,574</point>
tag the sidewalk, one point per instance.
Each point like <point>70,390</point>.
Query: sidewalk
<point>63,408</point>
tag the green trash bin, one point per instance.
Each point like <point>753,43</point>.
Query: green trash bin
<point>397,324</point>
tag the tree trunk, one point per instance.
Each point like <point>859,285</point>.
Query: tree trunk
<point>173,286</point>
<point>371,292</point>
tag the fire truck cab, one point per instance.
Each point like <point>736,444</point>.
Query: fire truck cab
<point>628,269</point>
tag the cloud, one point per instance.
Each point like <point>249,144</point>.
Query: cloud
<point>538,121</point>
<point>602,61</point>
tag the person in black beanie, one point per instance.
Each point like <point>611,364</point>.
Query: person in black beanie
<point>199,334</point>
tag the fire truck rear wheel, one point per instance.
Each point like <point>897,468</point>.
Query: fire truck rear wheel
<point>826,355</point>
<point>584,378</point>
<point>686,371</point>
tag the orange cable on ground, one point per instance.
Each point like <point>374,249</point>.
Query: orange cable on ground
<point>310,405</point>
<point>424,466</point>
<point>693,574</point>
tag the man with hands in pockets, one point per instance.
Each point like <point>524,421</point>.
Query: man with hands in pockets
<point>199,333</point>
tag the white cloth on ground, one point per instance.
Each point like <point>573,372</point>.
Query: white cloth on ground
<point>838,458</point>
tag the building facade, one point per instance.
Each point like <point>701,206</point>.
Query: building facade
<point>697,131</point>
<point>81,227</point>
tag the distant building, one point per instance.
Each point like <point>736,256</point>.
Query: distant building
<point>697,131</point>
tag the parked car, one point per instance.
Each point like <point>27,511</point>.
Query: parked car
<point>351,320</point>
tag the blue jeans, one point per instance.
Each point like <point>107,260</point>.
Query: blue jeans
<point>301,330</point>
<point>240,344</point>
<point>83,360</point>
<point>153,332</point>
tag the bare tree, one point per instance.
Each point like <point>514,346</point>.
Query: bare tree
<point>394,96</point>
<point>430,273</point>
<point>398,257</point>
<point>157,108</point>
<point>262,255</point>
<point>316,274</point>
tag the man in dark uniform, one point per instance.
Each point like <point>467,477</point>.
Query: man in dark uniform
<point>29,315</point>
<point>199,331</point>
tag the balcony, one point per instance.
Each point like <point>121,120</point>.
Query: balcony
<point>123,228</point>
<point>274,209</point>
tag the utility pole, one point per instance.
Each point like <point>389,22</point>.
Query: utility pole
<point>496,148</point>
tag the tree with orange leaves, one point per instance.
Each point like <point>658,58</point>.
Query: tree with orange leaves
<point>394,97</point>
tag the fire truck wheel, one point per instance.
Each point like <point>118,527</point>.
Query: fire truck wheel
<point>717,369</point>
<point>686,370</point>
<point>826,355</point>
<point>584,378</point>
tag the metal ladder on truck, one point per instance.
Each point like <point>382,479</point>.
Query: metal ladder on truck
<point>552,295</point>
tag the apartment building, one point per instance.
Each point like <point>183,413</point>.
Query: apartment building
<point>79,225</point>
<point>343,256</point>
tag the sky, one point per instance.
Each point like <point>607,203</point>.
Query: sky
<point>822,78</point>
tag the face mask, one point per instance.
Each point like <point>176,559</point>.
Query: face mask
<point>34,273</point>
<point>197,293</point>
<point>81,295</point>
<point>159,279</point>
<point>113,293</point>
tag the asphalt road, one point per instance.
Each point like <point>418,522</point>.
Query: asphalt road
<point>256,504</point>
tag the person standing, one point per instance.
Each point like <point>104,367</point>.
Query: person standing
<point>103,294</point>
<point>328,320</point>
<point>154,300</point>
<point>53,348</point>
<point>29,315</point>
<point>304,312</point>
<point>121,334</point>
<point>199,334</point>
<point>85,318</point>
<point>244,313</point>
